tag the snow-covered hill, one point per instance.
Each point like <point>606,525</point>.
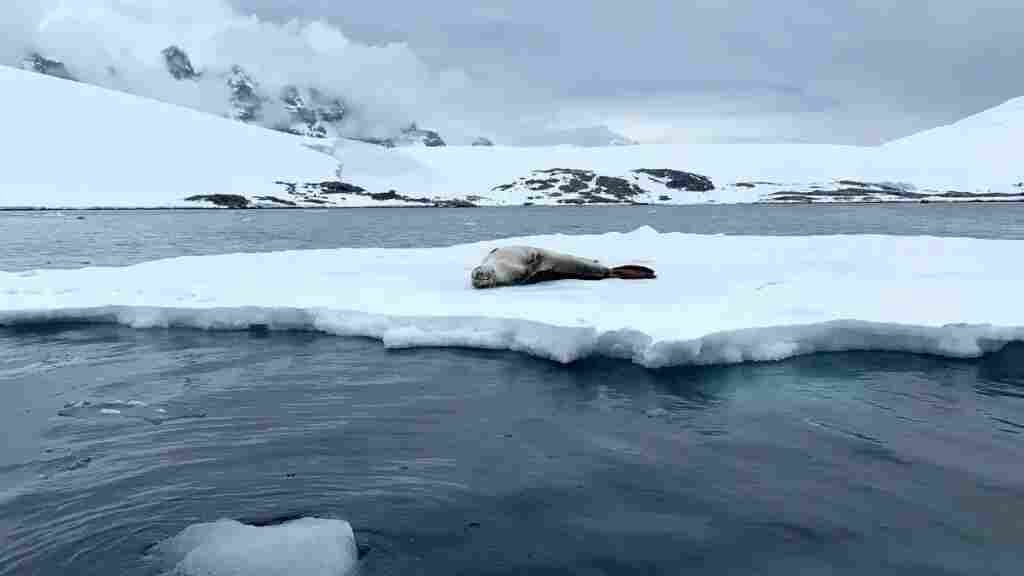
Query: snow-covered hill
<point>982,151</point>
<point>69,144</point>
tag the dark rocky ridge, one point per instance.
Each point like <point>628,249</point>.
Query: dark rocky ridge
<point>575,186</point>
<point>223,200</point>
<point>334,193</point>
<point>678,180</point>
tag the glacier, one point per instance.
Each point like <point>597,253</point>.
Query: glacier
<point>718,299</point>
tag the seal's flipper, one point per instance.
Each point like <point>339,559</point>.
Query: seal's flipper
<point>633,272</point>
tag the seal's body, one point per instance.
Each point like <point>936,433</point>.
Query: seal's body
<point>514,265</point>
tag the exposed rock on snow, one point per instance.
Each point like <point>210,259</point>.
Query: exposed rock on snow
<point>222,200</point>
<point>312,112</point>
<point>39,63</point>
<point>572,186</point>
<point>413,135</point>
<point>854,191</point>
<point>179,66</point>
<point>328,194</point>
<point>246,103</point>
<point>575,186</point>
<point>678,180</point>
<point>481,141</point>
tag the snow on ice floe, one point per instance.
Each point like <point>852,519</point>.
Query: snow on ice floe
<point>718,299</point>
<point>304,547</point>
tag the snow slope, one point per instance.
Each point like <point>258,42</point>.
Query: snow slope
<point>975,152</point>
<point>73,145</point>
<point>67,144</point>
<point>718,299</point>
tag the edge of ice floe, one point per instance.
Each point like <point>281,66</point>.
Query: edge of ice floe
<point>564,344</point>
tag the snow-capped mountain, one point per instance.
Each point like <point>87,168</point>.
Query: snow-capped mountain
<point>586,136</point>
<point>303,110</point>
<point>72,144</point>
<point>411,135</point>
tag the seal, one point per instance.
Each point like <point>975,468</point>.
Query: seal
<point>516,265</point>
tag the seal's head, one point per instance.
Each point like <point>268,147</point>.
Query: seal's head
<point>484,277</point>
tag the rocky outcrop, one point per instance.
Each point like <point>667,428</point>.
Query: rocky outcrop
<point>38,63</point>
<point>246,103</point>
<point>178,64</point>
<point>677,179</point>
<point>412,135</point>
<point>222,200</point>
<point>312,112</point>
<point>859,191</point>
<point>574,186</point>
<point>481,141</point>
<point>336,193</point>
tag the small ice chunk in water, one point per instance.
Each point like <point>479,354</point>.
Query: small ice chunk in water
<point>131,409</point>
<point>304,547</point>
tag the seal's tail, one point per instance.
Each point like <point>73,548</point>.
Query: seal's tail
<point>633,272</point>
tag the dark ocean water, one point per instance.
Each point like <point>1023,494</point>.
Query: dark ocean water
<point>470,462</point>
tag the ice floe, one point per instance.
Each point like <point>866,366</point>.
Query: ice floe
<point>718,299</point>
<point>304,547</point>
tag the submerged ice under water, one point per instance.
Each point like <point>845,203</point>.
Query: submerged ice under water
<point>458,461</point>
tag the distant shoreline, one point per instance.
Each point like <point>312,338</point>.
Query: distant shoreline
<point>332,208</point>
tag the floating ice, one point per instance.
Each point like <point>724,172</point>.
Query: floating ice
<point>115,409</point>
<point>304,547</point>
<point>717,299</point>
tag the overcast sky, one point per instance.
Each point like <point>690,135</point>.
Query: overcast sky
<point>845,71</point>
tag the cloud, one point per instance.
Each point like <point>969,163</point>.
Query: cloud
<point>841,70</point>
<point>119,44</point>
<point>844,71</point>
